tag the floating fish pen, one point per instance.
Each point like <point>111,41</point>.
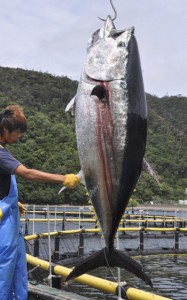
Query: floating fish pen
<point>58,238</point>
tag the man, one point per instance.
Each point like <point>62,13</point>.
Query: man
<point>13,272</point>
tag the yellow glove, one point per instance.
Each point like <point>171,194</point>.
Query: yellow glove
<point>22,209</point>
<point>1,214</point>
<point>71,181</point>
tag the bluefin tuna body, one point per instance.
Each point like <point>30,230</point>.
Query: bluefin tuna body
<point>111,128</point>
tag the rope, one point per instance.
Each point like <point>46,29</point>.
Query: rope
<point>38,266</point>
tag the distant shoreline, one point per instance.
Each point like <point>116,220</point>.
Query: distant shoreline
<point>161,207</point>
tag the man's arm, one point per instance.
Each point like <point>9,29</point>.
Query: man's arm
<point>69,180</point>
<point>35,175</point>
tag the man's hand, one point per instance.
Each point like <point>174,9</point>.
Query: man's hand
<point>71,181</point>
<point>22,209</point>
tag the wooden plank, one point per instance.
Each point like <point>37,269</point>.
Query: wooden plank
<point>49,293</point>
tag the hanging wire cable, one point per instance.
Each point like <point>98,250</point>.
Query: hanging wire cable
<point>115,12</point>
<point>114,277</point>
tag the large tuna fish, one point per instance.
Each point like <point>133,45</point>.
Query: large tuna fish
<point>111,129</point>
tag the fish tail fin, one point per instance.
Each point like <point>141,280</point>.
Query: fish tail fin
<point>109,258</point>
<point>122,260</point>
<point>87,264</point>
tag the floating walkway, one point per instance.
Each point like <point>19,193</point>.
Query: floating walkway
<point>49,293</point>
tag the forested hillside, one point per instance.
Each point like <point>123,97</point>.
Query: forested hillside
<point>50,143</point>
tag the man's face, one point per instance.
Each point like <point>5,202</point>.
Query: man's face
<point>11,137</point>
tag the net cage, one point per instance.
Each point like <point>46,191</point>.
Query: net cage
<point>64,235</point>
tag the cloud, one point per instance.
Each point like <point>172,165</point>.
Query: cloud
<point>52,35</point>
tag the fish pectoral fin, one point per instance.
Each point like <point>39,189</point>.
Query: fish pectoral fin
<point>71,106</point>
<point>112,258</point>
<point>122,260</point>
<point>148,169</point>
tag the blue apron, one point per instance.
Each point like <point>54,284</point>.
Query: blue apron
<point>13,268</point>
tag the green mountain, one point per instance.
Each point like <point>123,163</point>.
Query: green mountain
<point>50,143</point>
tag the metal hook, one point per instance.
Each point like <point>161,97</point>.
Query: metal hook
<point>115,16</point>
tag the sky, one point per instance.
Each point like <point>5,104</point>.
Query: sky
<point>51,36</point>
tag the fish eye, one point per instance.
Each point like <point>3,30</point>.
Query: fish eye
<point>121,44</point>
